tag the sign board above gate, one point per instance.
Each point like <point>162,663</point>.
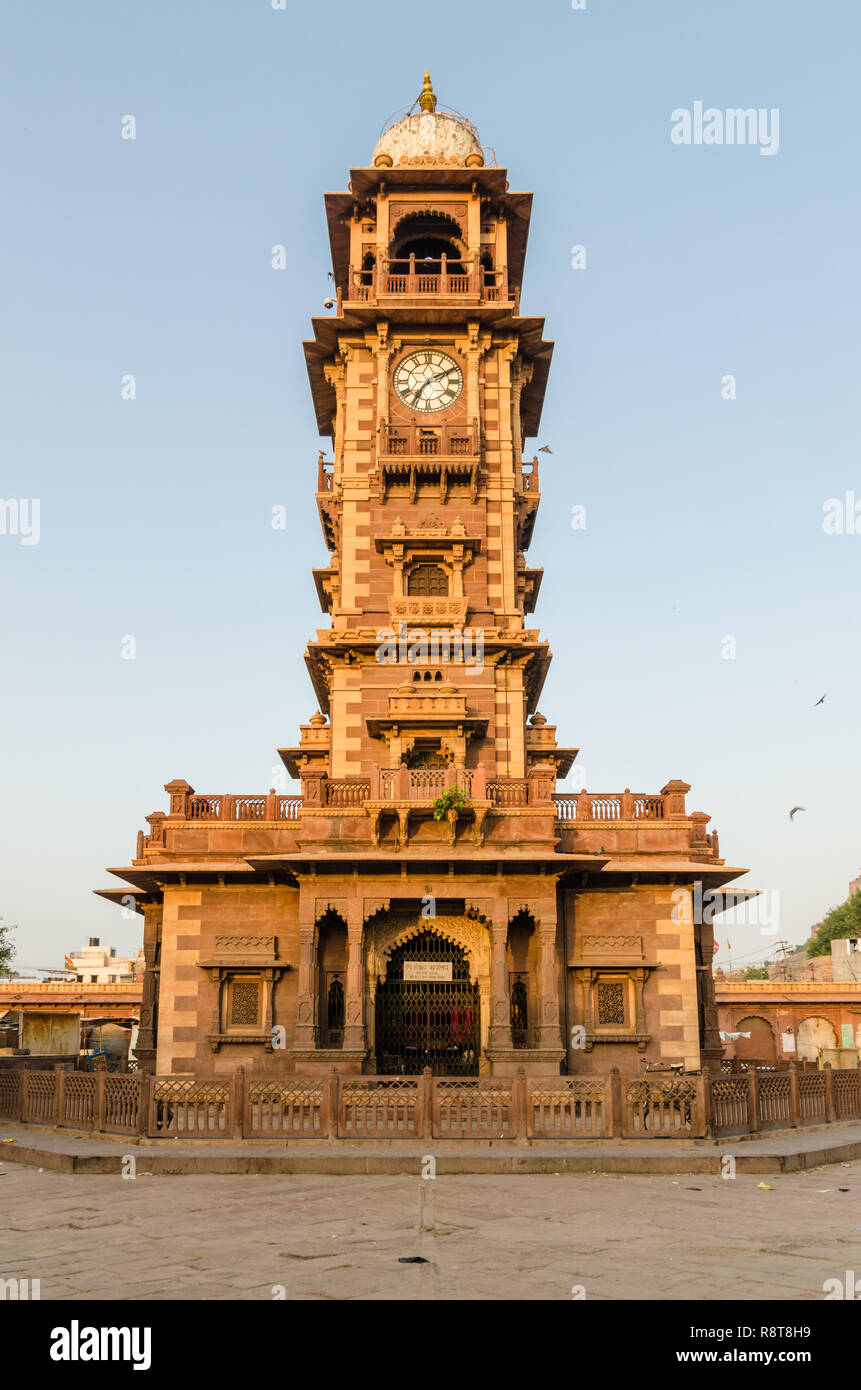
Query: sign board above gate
<point>427,969</point>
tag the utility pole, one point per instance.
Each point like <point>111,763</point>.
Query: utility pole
<point>784,948</point>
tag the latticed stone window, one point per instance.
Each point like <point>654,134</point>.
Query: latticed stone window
<point>244,1003</point>
<point>335,1010</point>
<point>519,1010</point>
<point>427,581</point>
<point>611,1002</point>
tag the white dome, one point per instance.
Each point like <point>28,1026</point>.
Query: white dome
<point>429,137</point>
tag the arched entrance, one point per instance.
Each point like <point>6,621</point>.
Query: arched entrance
<point>814,1034</point>
<point>760,1046</point>
<point>427,1010</point>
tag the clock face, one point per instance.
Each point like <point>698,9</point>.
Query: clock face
<point>428,380</point>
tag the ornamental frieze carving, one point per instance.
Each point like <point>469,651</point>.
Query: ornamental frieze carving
<point>245,945</point>
<point>340,906</point>
<point>481,909</point>
<point>611,945</point>
<point>392,931</point>
<point>374,905</point>
<point>457,211</point>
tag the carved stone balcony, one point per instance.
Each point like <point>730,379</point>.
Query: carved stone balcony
<point>615,823</point>
<point>419,441</point>
<point>463,282</point>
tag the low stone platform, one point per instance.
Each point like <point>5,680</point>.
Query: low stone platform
<point>785,1152</point>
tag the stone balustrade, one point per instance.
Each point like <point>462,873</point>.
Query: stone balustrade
<point>412,278</point>
<point>429,441</point>
<point>529,480</point>
<point>609,806</point>
<point>426,784</point>
<point>245,1105</point>
<point>421,787</point>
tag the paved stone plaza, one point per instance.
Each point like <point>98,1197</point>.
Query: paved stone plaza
<point>634,1237</point>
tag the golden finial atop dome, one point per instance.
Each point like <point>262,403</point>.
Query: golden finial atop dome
<point>427,100</point>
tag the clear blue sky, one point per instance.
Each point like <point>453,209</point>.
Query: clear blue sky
<point>704,516</point>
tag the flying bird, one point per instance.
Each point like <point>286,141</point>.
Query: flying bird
<point>822,701</point>
<point>794,811</point>
<point>545,449</point>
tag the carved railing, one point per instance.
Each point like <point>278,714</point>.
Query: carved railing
<point>290,1106</point>
<point>567,1107</point>
<point>422,783</point>
<point>812,1098</point>
<point>475,1109</point>
<point>119,1104</point>
<point>416,441</point>
<point>39,1096</point>
<point>529,477</point>
<point>10,1094</point>
<point>325,475</point>
<point>349,791</point>
<point>507,793</point>
<point>786,1099</point>
<point>603,806</point>
<point>77,1101</point>
<point>285,1106</point>
<point>372,1107</point>
<point>272,807</point>
<point>192,1108</point>
<point>847,1094</point>
<point>744,1064</point>
<point>774,1098</point>
<point>427,784</point>
<point>443,278</point>
<point>730,1096</point>
<point>671,1108</point>
<point>205,808</point>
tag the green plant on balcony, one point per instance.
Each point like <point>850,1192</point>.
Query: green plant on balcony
<point>452,799</point>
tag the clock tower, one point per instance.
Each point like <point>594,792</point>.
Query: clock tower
<point>430,900</point>
<point>428,380</point>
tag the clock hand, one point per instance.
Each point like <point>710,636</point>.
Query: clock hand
<point>419,394</point>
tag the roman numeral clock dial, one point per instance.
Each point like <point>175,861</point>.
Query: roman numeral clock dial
<point>427,381</point>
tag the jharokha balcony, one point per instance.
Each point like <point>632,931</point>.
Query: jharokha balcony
<point>465,282</point>
<point>394,808</point>
<point>416,441</point>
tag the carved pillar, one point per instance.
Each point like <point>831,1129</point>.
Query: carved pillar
<point>354,1010</point>
<point>145,1047</point>
<point>313,786</point>
<point>379,344</point>
<point>542,784</point>
<point>305,1035</point>
<point>548,1033</point>
<point>640,977</point>
<point>180,793</point>
<point>500,1003</point>
<point>674,799</point>
<point>711,1047</point>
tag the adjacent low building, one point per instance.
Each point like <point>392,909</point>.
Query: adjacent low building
<point>55,1018</point>
<point>815,1019</point>
<point>100,965</point>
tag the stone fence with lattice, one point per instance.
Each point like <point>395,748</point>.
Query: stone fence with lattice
<point>237,1106</point>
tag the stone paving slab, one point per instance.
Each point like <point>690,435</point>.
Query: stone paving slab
<point>790,1151</point>
<point>484,1238</point>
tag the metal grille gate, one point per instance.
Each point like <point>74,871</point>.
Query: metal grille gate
<point>427,1023</point>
